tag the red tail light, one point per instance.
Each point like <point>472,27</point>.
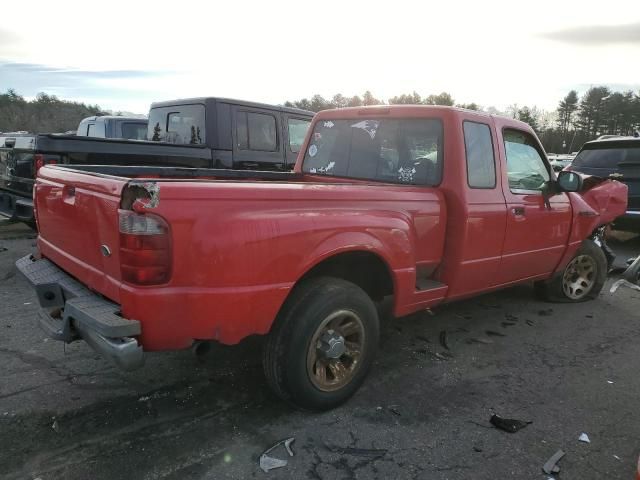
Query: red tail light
<point>39,161</point>
<point>145,248</point>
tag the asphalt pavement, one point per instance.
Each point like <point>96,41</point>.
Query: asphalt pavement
<point>423,413</point>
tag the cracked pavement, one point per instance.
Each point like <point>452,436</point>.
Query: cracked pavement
<point>423,413</point>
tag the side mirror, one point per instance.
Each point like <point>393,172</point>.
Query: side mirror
<point>569,181</point>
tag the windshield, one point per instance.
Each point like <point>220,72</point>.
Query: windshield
<point>608,158</point>
<point>180,124</point>
<point>386,150</point>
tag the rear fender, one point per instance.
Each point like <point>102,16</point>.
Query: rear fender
<point>395,250</point>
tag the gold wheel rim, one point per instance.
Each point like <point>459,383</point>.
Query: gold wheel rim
<point>334,352</point>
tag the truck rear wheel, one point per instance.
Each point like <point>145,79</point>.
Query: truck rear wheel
<point>322,344</point>
<point>582,279</point>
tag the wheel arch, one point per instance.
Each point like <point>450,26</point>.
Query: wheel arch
<point>364,268</point>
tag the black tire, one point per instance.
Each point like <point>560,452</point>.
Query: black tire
<point>286,350</point>
<point>555,289</point>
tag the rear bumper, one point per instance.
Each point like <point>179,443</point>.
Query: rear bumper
<point>16,207</point>
<point>71,312</point>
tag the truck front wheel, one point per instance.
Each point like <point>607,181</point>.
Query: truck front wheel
<point>322,344</point>
<point>582,279</point>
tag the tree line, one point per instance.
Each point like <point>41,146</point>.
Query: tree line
<point>318,102</point>
<point>44,114</point>
<point>600,111</point>
<point>577,119</point>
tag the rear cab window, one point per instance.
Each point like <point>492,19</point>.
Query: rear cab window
<point>403,151</point>
<point>526,169</point>
<point>178,124</point>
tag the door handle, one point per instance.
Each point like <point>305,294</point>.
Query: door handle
<point>518,211</point>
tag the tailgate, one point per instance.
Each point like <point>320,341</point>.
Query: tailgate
<point>77,217</point>
<point>17,169</point>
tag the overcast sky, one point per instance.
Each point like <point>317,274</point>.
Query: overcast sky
<point>124,55</point>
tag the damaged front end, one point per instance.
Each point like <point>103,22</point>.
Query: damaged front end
<point>598,204</point>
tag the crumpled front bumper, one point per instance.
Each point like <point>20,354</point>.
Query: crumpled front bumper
<point>70,311</point>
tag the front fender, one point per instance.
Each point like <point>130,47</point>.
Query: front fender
<point>601,203</point>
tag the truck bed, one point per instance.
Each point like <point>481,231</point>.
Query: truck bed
<point>130,171</point>
<point>239,240</point>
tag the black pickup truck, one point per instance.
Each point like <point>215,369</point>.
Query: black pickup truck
<point>197,132</point>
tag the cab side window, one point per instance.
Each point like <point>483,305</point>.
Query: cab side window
<point>297,133</point>
<point>526,169</point>
<point>481,165</point>
<point>257,131</point>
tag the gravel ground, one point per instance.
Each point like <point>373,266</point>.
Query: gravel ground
<point>65,413</point>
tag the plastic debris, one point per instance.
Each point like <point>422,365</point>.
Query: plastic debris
<point>443,339</point>
<point>622,282</point>
<point>55,426</point>
<point>394,409</point>
<point>550,464</point>
<point>484,341</point>
<point>508,424</point>
<point>268,462</point>
<point>493,333</point>
<point>361,452</point>
<point>609,382</point>
<point>616,457</point>
<point>584,438</point>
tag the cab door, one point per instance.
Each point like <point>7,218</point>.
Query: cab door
<point>537,231</point>
<point>257,138</point>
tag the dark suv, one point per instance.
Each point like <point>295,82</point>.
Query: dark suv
<point>617,158</point>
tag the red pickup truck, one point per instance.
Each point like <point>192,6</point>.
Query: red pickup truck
<point>424,204</point>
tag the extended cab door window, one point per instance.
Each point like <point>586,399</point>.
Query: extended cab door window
<point>257,131</point>
<point>481,165</point>
<point>526,170</point>
<point>258,137</point>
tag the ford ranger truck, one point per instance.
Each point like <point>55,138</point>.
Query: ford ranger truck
<point>424,204</point>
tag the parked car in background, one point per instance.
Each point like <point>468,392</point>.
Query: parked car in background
<point>131,128</point>
<point>559,161</point>
<point>619,158</point>
<point>198,132</point>
<point>421,203</point>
